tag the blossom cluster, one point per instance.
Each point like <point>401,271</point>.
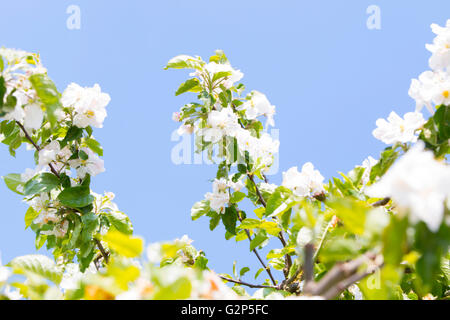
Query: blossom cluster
<point>419,183</point>
<point>432,88</point>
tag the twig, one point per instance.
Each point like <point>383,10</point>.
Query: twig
<point>287,257</point>
<point>341,277</point>
<point>102,250</point>
<point>36,147</point>
<point>309,263</point>
<point>258,256</point>
<point>255,286</point>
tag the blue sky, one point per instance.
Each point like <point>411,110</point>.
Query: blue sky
<point>328,74</point>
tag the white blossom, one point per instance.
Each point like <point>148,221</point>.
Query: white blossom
<point>398,130</point>
<point>93,166</point>
<point>305,182</point>
<point>59,231</point>
<point>154,253</point>
<point>418,183</point>
<point>176,116</point>
<point>220,197</point>
<point>18,114</point>
<point>440,60</point>
<point>89,105</point>
<point>33,116</point>
<point>260,149</point>
<point>48,153</point>
<point>258,105</point>
<point>12,294</point>
<point>431,89</point>
<point>221,124</point>
<point>185,129</point>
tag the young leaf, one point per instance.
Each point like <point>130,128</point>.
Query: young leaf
<point>127,246</point>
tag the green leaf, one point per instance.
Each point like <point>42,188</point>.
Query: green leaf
<point>394,241</point>
<point>125,245</point>
<point>215,220</point>
<point>436,132</point>
<point>278,202</point>
<point>249,223</point>
<point>352,212</point>
<point>258,273</point>
<point>339,249</point>
<point>387,158</point>
<point>83,155</point>
<point>74,133</point>
<point>120,221</point>
<point>178,290</point>
<point>191,85</point>
<point>229,219</point>
<point>44,182</point>
<point>75,234</point>
<point>259,238</point>
<point>95,146</point>
<point>76,197</point>
<point>13,181</point>
<point>237,197</point>
<point>200,209</point>
<point>90,225</point>
<point>49,95</point>
<point>38,265</point>
<point>244,271</point>
<point>184,62</point>
<point>30,215</point>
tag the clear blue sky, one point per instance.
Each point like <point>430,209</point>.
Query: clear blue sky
<point>329,76</point>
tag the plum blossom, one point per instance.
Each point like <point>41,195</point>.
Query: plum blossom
<point>258,105</point>
<point>440,60</point>
<point>398,130</point>
<point>89,105</point>
<point>418,183</point>
<point>305,182</point>
<point>92,166</point>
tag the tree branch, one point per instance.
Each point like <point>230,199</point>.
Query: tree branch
<point>258,256</point>
<point>53,170</point>
<point>254,286</point>
<point>287,257</point>
<point>102,250</point>
<point>342,276</point>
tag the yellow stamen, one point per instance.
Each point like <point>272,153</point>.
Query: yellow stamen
<point>446,94</point>
<point>90,113</point>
